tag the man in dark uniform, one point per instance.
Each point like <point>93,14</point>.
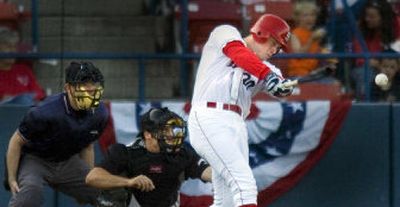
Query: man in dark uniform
<point>54,142</point>
<point>153,168</point>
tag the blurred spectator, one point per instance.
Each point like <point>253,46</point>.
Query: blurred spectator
<point>159,7</point>
<point>306,38</point>
<point>323,13</point>
<point>17,82</point>
<point>10,15</point>
<point>165,28</point>
<point>13,16</point>
<point>390,92</point>
<point>396,6</point>
<point>339,27</point>
<point>380,28</point>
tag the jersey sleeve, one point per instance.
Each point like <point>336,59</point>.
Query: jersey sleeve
<point>246,59</point>
<point>224,34</point>
<point>34,125</point>
<point>196,165</point>
<point>228,40</point>
<point>115,160</point>
<point>273,68</point>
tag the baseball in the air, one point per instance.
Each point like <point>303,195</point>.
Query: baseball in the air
<point>381,79</point>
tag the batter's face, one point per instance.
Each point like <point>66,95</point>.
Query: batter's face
<point>267,49</point>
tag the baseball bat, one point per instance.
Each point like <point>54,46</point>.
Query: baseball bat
<point>317,74</point>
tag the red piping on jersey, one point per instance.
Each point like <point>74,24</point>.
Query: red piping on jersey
<point>246,59</point>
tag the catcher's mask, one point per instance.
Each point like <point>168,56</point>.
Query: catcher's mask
<point>167,127</point>
<point>88,83</point>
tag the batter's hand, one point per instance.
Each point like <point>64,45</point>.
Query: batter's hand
<point>275,87</point>
<point>142,183</point>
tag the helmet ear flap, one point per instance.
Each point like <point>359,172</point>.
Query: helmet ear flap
<point>264,34</point>
<point>260,38</point>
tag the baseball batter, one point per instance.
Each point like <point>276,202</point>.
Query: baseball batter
<point>232,69</point>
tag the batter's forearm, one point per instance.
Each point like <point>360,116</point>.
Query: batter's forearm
<point>102,179</point>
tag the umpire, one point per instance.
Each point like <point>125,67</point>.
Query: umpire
<point>53,143</point>
<point>153,168</point>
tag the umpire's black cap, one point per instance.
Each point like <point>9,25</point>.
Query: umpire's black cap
<point>83,72</point>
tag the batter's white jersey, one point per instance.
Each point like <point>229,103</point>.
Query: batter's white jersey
<point>218,79</point>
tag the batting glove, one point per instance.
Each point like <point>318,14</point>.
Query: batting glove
<point>275,87</point>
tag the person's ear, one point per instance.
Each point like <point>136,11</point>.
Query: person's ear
<point>67,88</point>
<point>147,135</point>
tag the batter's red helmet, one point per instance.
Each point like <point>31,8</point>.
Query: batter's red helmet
<point>271,25</point>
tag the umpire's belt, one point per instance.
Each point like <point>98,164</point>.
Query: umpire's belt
<point>224,106</point>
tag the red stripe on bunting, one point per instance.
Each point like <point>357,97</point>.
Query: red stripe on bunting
<point>196,201</point>
<point>107,138</point>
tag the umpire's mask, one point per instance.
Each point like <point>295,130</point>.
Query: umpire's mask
<point>87,96</point>
<point>88,84</point>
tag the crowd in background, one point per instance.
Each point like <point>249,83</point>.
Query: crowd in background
<point>315,29</point>
<point>18,84</point>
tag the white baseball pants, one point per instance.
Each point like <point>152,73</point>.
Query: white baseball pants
<point>220,137</point>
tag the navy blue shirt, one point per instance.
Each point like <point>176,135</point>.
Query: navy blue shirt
<point>55,132</point>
